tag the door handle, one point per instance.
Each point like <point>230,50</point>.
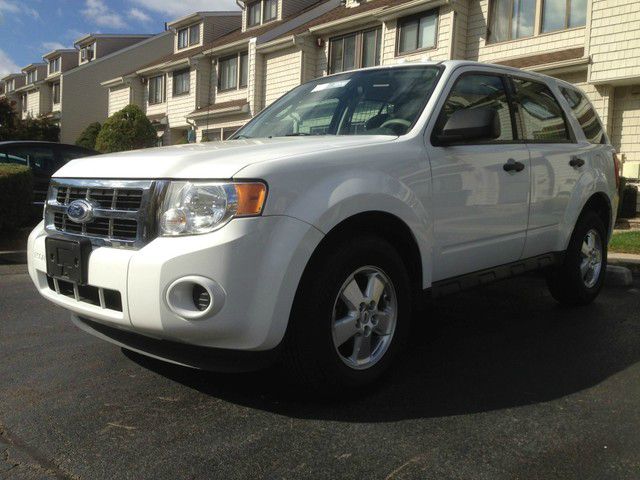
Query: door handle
<point>513,166</point>
<point>576,162</point>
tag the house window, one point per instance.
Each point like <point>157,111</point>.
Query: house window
<point>11,86</point>
<point>511,19</point>
<point>261,12</point>
<point>189,36</point>
<point>54,65</point>
<point>561,14</point>
<point>356,50</point>
<point>270,10</point>
<point>417,32</point>
<point>24,102</point>
<point>55,93</point>
<point>254,12</point>
<point>233,72</point>
<point>181,82</point>
<point>86,53</point>
<point>156,90</point>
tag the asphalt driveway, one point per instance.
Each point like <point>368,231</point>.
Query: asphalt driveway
<point>499,383</point>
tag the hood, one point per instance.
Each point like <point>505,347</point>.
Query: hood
<point>216,160</point>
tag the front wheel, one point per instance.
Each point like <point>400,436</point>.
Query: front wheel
<point>580,278</point>
<point>350,316</point>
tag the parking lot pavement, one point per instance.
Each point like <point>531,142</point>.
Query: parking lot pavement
<point>497,383</point>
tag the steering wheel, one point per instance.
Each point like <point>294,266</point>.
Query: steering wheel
<point>394,123</point>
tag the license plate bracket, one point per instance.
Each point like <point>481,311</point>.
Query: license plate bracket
<point>68,259</point>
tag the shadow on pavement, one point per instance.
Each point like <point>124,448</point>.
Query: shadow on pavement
<point>502,346</point>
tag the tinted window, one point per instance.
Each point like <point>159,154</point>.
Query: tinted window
<point>540,113</point>
<point>585,114</point>
<point>479,91</point>
<point>38,158</point>
<point>364,102</point>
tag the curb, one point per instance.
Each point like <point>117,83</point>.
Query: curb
<point>632,262</point>
<point>13,257</point>
<point>618,276</point>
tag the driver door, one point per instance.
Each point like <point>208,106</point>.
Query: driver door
<point>480,203</point>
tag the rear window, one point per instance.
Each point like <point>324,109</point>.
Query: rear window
<point>541,115</point>
<point>586,115</point>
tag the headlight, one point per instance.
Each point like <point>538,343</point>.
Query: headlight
<point>192,208</point>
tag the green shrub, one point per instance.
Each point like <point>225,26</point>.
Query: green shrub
<point>87,138</point>
<point>128,129</point>
<point>16,189</point>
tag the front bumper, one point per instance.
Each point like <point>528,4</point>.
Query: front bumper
<point>257,261</point>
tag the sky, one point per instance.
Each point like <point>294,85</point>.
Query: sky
<point>31,28</point>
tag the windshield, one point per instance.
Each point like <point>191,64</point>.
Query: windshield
<point>367,102</point>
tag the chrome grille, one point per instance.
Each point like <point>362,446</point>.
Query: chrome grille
<point>123,210</point>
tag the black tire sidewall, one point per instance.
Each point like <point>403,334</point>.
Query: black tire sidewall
<point>316,298</point>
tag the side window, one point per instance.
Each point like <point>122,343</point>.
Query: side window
<point>479,91</point>
<point>540,113</point>
<point>585,114</point>
<point>38,158</point>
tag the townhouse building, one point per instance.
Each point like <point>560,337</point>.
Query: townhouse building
<point>33,98</point>
<point>171,86</point>
<point>9,84</point>
<point>280,44</point>
<point>101,56</point>
<point>58,62</point>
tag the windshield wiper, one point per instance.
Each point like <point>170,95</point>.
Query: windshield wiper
<point>299,134</point>
<point>241,136</point>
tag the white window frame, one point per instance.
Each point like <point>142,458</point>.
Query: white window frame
<point>261,12</point>
<point>54,65</point>
<point>24,102</point>
<point>240,84</point>
<point>32,77</point>
<point>87,53</point>
<point>187,32</point>
<point>53,93</point>
<point>186,71</point>
<point>163,89</point>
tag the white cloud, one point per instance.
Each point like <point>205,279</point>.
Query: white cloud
<point>49,46</point>
<point>97,12</point>
<point>7,65</point>
<point>15,8</point>
<point>177,8</point>
<point>139,15</point>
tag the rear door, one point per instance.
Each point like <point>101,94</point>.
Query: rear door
<point>480,208</point>
<point>554,151</point>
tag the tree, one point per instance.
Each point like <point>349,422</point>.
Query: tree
<point>128,129</point>
<point>14,128</point>
<point>88,137</point>
<point>8,120</point>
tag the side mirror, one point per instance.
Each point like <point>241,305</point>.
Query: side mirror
<point>466,125</point>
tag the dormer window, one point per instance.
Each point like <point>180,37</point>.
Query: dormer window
<point>32,76</point>
<point>261,12</point>
<point>189,36</point>
<point>11,85</point>
<point>87,53</point>
<point>54,65</point>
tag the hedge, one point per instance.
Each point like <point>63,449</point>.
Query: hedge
<point>16,190</point>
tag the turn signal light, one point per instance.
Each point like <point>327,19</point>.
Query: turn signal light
<point>251,198</point>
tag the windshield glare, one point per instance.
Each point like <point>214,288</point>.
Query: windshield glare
<point>368,102</point>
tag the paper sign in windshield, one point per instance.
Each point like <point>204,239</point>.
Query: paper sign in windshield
<point>329,86</point>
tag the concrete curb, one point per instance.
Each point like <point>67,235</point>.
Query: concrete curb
<point>630,261</point>
<point>618,276</point>
<point>13,257</point>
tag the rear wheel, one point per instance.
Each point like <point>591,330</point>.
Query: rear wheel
<point>350,316</point>
<point>579,279</point>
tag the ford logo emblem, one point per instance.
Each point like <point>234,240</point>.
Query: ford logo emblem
<point>80,211</point>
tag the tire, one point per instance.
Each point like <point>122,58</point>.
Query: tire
<point>568,283</point>
<point>311,356</point>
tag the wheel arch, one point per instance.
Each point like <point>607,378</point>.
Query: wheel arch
<point>600,203</point>
<point>382,224</point>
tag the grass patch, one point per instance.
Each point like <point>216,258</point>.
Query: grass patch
<point>625,242</point>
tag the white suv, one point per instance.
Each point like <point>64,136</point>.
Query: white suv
<point>308,236</point>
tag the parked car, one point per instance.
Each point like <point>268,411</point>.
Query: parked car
<point>44,158</point>
<point>308,236</point>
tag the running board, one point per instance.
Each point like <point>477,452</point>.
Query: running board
<point>490,275</point>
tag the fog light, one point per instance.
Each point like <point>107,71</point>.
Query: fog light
<point>195,297</point>
<point>201,298</point>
